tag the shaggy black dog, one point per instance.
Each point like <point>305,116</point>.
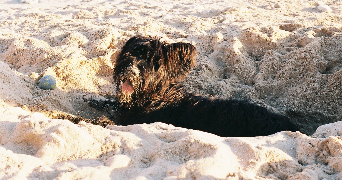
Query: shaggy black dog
<point>148,72</point>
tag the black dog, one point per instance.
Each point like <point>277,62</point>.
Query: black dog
<point>148,72</point>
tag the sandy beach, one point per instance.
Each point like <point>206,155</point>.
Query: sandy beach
<point>283,55</point>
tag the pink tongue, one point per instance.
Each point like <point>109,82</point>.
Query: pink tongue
<point>127,87</point>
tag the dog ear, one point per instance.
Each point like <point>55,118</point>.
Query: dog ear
<point>129,46</point>
<point>180,58</point>
<point>144,49</point>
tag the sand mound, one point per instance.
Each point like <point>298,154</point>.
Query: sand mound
<point>34,146</point>
<point>284,55</point>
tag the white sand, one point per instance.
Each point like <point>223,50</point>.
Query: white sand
<point>285,55</point>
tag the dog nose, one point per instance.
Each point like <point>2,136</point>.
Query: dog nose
<point>126,87</point>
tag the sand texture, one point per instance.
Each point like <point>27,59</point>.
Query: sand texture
<point>284,55</point>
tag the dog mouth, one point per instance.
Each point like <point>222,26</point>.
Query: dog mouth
<point>126,87</point>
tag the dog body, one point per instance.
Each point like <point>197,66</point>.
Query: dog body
<point>148,72</point>
<point>225,118</point>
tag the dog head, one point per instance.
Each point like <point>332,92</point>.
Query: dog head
<point>146,68</point>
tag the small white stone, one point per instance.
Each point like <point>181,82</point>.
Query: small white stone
<point>324,8</point>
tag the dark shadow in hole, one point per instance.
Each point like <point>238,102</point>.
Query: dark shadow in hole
<point>310,120</point>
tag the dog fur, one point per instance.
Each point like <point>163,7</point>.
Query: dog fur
<point>148,72</point>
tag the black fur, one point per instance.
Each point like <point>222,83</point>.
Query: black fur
<point>154,69</point>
